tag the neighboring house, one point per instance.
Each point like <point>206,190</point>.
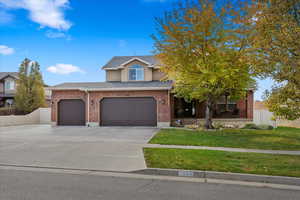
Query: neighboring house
<point>8,89</point>
<point>133,95</point>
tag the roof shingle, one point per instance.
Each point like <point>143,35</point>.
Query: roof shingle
<point>116,61</point>
<point>5,74</point>
<point>115,85</point>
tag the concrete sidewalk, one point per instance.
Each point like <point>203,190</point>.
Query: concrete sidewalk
<point>223,149</point>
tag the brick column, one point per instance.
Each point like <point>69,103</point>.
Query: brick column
<point>250,100</point>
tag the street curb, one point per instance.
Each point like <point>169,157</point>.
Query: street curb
<point>221,175</point>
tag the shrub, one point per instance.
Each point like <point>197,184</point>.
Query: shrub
<point>250,126</point>
<point>218,125</point>
<point>200,128</point>
<point>10,111</point>
<point>258,127</point>
<point>191,126</point>
<point>231,126</point>
<point>265,127</point>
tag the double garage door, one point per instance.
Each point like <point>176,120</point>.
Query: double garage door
<point>127,111</point>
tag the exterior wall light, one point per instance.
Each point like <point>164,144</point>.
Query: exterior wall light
<point>163,101</point>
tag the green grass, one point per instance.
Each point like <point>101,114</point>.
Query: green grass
<point>281,138</point>
<point>252,163</point>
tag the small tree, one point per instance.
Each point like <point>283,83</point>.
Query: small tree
<point>276,46</point>
<point>282,101</point>
<point>202,50</point>
<point>30,93</point>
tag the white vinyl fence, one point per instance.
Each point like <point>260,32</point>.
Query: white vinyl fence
<point>45,115</point>
<point>263,116</point>
<point>39,116</point>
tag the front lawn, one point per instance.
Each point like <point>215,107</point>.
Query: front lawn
<point>252,163</point>
<point>281,138</point>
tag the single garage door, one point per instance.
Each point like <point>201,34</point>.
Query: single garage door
<point>131,111</point>
<point>71,112</point>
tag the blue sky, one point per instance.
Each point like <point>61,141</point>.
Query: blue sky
<point>72,39</point>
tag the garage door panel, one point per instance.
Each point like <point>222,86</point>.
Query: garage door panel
<point>71,112</point>
<point>128,111</point>
<point>122,122</point>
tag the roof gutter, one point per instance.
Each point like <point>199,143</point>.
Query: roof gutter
<point>114,89</point>
<point>122,67</point>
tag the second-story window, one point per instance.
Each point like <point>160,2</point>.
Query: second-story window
<point>136,73</point>
<point>9,85</point>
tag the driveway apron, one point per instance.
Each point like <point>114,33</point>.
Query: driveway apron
<point>90,148</point>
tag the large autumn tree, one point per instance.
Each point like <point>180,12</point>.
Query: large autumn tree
<point>276,46</point>
<point>30,93</point>
<point>203,50</point>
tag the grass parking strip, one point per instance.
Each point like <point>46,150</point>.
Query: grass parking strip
<point>235,162</point>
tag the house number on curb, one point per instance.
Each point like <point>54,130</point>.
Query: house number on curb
<point>185,173</point>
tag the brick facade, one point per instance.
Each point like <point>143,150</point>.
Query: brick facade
<point>165,103</point>
<point>250,107</point>
<point>161,97</point>
<point>65,94</point>
<point>246,106</point>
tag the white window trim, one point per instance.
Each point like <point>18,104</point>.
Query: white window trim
<point>9,84</point>
<point>133,59</point>
<point>141,69</point>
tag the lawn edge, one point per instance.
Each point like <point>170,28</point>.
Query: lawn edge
<point>233,147</point>
<point>227,149</point>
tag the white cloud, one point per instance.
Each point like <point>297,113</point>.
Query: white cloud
<point>52,34</point>
<point>47,13</point>
<point>5,50</point>
<point>64,69</point>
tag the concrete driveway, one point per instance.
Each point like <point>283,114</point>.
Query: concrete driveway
<point>96,148</point>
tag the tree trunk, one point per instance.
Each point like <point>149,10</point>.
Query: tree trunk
<point>208,115</point>
<point>226,103</point>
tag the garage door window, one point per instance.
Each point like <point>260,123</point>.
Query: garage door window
<point>136,73</point>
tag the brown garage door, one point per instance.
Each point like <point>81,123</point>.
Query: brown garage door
<point>128,111</point>
<point>71,112</point>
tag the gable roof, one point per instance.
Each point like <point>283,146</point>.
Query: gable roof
<point>117,86</point>
<point>12,74</point>
<point>117,61</point>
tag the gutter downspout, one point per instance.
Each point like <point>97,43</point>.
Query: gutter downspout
<point>88,108</point>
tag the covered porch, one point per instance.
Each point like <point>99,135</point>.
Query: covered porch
<point>224,110</point>
<point>6,100</point>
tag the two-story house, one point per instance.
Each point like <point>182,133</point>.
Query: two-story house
<point>133,95</point>
<point>7,88</point>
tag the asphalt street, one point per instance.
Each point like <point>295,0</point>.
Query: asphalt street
<point>49,185</point>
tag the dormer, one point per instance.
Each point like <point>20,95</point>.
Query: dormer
<point>133,68</point>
